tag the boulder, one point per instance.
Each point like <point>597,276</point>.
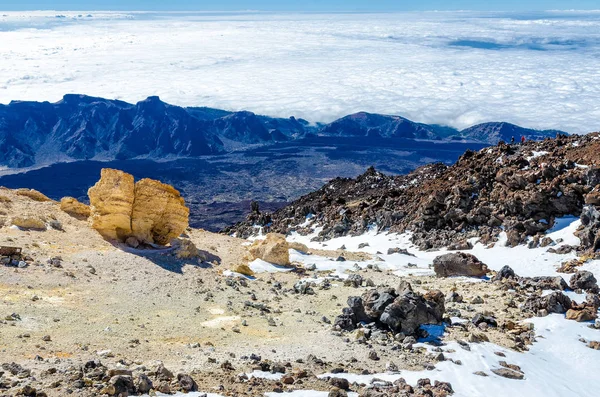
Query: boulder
<point>111,202</point>
<point>73,207</point>
<point>505,273</point>
<point>584,280</point>
<point>143,384</point>
<point>187,383</point>
<point>400,313</point>
<point>582,315</point>
<point>120,385</point>
<point>409,311</point>
<point>29,222</point>
<point>589,231</point>
<point>273,249</point>
<point>459,264</point>
<point>243,269</point>
<point>150,211</point>
<point>375,301</point>
<point>556,302</point>
<point>185,248</point>
<point>544,283</point>
<point>159,213</point>
<point>299,247</point>
<point>33,194</point>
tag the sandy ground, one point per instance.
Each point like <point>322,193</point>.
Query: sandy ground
<point>136,307</point>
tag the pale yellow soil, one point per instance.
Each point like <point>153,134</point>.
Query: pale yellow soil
<point>145,306</point>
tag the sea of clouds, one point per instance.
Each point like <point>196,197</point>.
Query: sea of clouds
<point>458,69</point>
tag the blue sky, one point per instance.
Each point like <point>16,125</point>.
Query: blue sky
<point>301,5</point>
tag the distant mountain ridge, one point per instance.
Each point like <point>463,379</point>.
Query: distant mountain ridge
<point>81,127</point>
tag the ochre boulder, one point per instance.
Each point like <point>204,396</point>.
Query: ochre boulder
<point>111,202</point>
<point>149,211</point>
<point>74,208</point>
<point>459,264</point>
<point>583,315</point>
<point>185,248</point>
<point>159,213</point>
<point>29,222</point>
<point>33,194</point>
<point>243,269</point>
<point>273,249</point>
<point>302,248</point>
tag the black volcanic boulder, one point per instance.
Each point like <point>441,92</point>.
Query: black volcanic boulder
<point>375,301</point>
<point>589,231</point>
<point>409,311</point>
<point>556,302</point>
<point>505,273</point>
<point>400,310</point>
<point>544,283</point>
<point>459,264</point>
<point>583,280</point>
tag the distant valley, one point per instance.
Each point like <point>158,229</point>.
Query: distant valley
<point>219,160</point>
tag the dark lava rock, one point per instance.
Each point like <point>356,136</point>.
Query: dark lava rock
<point>459,264</point>
<point>556,302</point>
<point>584,280</point>
<point>186,383</point>
<point>505,273</point>
<point>401,310</point>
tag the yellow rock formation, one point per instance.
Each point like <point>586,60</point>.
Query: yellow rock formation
<point>149,211</point>
<point>274,249</point>
<point>29,222</point>
<point>74,208</point>
<point>159,213</point>
<point>243,269</point>
<point>111,201</point>
<point>33,194</point>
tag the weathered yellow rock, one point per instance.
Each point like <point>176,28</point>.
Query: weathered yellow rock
<point>185,248</point>
<point>73,207</point>
<point>243,269</point>
<point>159,212</point>
<point>33,194</point>
<point>274,249</point>
<point>29,222</point>
<point>111,202</point>
<point>299,247</point>
<point>149,211</point>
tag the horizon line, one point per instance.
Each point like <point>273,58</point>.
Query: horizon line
<point>300,11</point>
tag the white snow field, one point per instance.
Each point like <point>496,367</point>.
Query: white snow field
<point>558,364</point>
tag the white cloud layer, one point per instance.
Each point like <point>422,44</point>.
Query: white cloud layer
<point>450,68</point>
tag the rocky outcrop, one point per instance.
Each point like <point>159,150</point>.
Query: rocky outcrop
<point>148,211</point>
<point>29,222</point>
<point>400,311</point>
<point>185,248</point>
<point>33,194</point>
<point>243,268</point>
<point>584,280</point>
<point>507,277</point>
<point>556,302</point>
<point>159,213</point>
<point>589,231</point>
<point>459,264</point>
<point>273,249</point>
<point>517,189</point>
<point>111,203</point>
<point>76,209</point>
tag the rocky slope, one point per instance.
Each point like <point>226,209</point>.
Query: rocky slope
<point>80,127</point>
<point>80,315</point>
<point>520,189</point>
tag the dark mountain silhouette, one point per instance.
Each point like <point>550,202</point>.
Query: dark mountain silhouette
<point>80,127</point>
